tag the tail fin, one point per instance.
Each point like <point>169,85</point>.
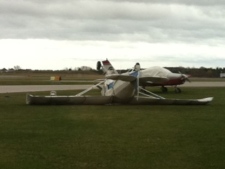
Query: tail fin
<point>108,69</point>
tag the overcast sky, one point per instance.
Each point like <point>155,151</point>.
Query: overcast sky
<point>58,34</point>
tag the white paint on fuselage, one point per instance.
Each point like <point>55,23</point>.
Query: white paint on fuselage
<point>159,72</point>
<point>121,89</point>
<point>174,76</point>
<point>155,72</point>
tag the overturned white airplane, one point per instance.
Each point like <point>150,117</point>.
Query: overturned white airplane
<point>118,89</point>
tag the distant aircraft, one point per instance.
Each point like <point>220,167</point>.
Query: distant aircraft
<point>119,89</point>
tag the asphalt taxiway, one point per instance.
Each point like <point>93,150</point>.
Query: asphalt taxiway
<point>39,88</point>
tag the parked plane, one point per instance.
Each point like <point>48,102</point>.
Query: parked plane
<point>173,79</point>
<point>119,89</point>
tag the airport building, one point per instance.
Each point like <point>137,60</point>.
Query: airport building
<point>222,75</point>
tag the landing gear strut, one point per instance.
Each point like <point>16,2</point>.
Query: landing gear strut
<point>164,89</point>
<point>177,90</point>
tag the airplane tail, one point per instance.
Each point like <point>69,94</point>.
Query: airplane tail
<point>107,67</point>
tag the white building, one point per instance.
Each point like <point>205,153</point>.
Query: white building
<point>222,75</point>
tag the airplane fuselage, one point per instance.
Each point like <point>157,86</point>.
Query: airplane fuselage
<point>120,89</point>
<point>173,79</point>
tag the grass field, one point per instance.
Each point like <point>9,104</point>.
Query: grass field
<point>50,137</point>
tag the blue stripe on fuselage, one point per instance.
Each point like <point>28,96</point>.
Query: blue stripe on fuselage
<point>135,74</point>
<point>110,86</point>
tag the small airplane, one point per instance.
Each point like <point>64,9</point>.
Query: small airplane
<point>119,89</point>
<point>173,79</point>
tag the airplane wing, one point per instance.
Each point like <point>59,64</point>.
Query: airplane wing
<point>104,100</point>
<point>143,80</point>
<point>68,100</point>
<point>126,78</point>
<point>153,101</point>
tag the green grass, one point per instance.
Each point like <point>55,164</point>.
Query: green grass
<point>131,137</point>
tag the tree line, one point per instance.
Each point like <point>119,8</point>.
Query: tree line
<point>194,72</point>
<point>198,72</point>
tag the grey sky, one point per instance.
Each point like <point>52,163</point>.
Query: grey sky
<point>189,23</point>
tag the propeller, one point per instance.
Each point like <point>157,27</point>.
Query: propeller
<point>185,77</point>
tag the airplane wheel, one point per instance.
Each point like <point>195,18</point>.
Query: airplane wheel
<point>177,90</point>
<point>164,89</point>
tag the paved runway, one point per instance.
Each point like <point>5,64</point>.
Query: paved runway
<point>204,84</point>
<point>33,88</point>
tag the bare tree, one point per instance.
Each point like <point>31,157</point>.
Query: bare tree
<point>17,67</point>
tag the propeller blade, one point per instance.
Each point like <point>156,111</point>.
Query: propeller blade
<point>186,78</point>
